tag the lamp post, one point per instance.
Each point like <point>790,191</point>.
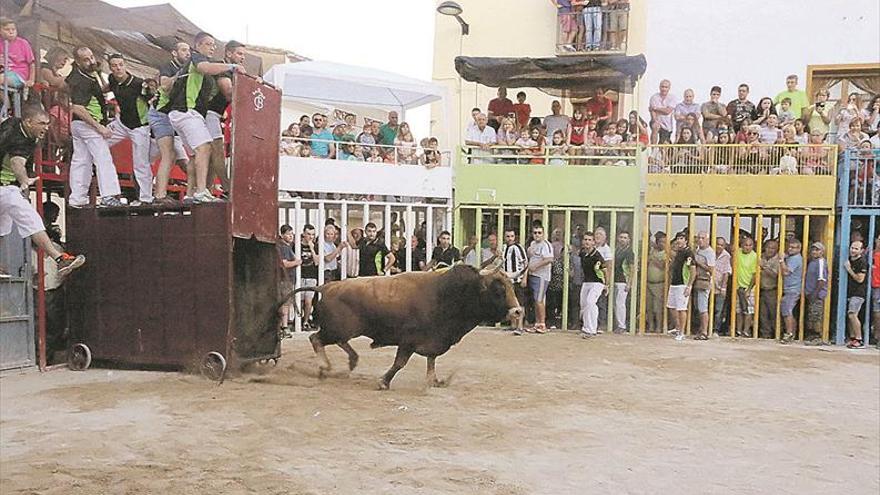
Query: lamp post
<point>453,9</point>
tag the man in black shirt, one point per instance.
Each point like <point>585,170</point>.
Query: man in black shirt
<point>596,280</point>
<point>309,270</point>
<point>233,54</point>
<point>371,251</point>
<point>624,259</point>
<point>170,146</point>
<point>90,133</point>
<point>132,124</point>
<point>856,290</point>
<point>681,280</point>
<point>444,254</point>
<point>18,138</point>
<point>188,104</point>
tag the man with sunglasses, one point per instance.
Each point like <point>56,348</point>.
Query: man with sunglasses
<point>540,254</point>
<point>322,139</point>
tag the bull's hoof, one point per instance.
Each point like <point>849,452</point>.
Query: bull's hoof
<point>440,383</point>
<point>383,385</point>
<point>323,372</point>
<point>352,363</point>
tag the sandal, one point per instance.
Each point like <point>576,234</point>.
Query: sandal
<point>542,329</point>
<point>701,336</point>
<point>855,344</point>
<point>531,330</point>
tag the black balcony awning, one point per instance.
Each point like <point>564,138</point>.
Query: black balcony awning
<point>571,76</point>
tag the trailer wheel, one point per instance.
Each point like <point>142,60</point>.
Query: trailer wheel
<point>79,358</point>
<point>214,366</point>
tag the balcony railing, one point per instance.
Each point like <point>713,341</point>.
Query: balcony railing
<point>563,155</point>
<point>345,150</point>
<point>742,159</point>
<point>859,184</point>
<point>595,29</point>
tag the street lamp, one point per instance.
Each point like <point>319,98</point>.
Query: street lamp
<point>454,9</point>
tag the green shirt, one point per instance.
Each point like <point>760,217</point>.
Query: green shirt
<point>799,101</point>
<point>745,266</point>
<point>387,135</point>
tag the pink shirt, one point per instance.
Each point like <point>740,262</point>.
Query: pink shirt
<point>21,56</point>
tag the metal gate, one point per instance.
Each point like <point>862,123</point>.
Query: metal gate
<point>16,304</point>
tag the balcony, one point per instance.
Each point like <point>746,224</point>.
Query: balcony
<point>859,187</point>
<point>594,32</point>
<point>608,177</point>
<point>365,171</point>
<point>741,176</point>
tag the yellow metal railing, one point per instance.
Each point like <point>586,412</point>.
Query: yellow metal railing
<point>742,159</point>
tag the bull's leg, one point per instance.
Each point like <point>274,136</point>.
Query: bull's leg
<point>400,360</point>
<point>352,355</point>
<point>432,375</point>
<point>324,365</point>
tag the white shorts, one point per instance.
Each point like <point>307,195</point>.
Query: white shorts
<point>191,127</point>
<point>15,210</point>
<point>308,282</point>
<point>677,299</point>
<point>215,128</point>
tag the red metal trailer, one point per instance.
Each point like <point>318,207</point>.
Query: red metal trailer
<point>191,286</point>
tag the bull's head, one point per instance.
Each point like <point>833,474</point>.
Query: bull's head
<point>497,297</point>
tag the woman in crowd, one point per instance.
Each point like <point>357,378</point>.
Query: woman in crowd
<point>800,132</point>
<point>406,145</point>
<point>754,157</point>
<point>394,260</point>
<point>848,112</point>
<point>851,139</point>
<point>687,153</point>
<point>862,180</point>
<point>815,156</point>
<point>558,149</point>
<point>537,150</point>
<point>763,110</point>
<point>818,115</point>
<point>506,138</point>
<point>871,117</point>
<point>575,135</point>
<point>721,155</point>
<point>637,125</point>
<point>291,142</point>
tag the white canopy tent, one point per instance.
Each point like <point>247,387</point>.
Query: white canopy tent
<point>348,86</point>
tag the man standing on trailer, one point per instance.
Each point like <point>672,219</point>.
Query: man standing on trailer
<point>89,133</point>
<point>170,147</point>
<point>18,138</point>
<point>132,124</point>
<point>234,54</point>
<point>188,105</point>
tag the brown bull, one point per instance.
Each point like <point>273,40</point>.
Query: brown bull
<point>419,312</point>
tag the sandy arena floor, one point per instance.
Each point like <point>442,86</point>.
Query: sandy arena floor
<point>524,415</point>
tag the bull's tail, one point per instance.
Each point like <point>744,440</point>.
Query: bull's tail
<point>291,294</point>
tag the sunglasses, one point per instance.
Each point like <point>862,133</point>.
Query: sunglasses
<point>753,133</point>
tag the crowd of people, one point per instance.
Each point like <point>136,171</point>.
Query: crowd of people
<point>373,142</point>
<point>592,25</point>
<point>176,117</point>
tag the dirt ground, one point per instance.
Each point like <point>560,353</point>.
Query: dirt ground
<point>550,414</point>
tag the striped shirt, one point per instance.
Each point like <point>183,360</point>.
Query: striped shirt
<point>514,262</point>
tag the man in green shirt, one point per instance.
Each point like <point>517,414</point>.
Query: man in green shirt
<point>799,99</point>
<point>745,269</point>
<point>388,132</point>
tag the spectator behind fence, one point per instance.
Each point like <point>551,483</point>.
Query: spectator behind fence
<point>332,253</point>
<point>704,263</point>
<point>763,111</point>
<point>500,108</point>
<point>741,108</point>
<point>624,276</point>
<point>818,115</point>
<point>372,252</point>
<point>50,71</point>
<point>322,139</point>
<point>856,267</point>
<point>797,98</point>
<point>852,139</point>
<point>491,255</point>
<point>618,21</point>
<point>662,105</point>
<point>723,270</point>
<point>540,255</point>
<point>556,121</point>
<point>714,113</point>
<point>131,124</point>
<point>815,290</point>
<point>516,268</point>
<point>786,116</point>
<point>599,107</point>
<point>406,145</point>
<point>388,131</point>
<point>480,139</point>
<point>90,134</point>
<point>289,262</point>
<point>875,286</point>
<point>21,70</point>
<point>847,112</point>
<point>444,254</point>
<point>770,133</point>
<point>469,253</point>
<point>522,110</point>
<point>746,263</point>
<point>308,270</point>
<point>792,270</point>
<point>557,150</point>
<point>592,23</point>
<point>769,263</point>
<point>685,108</point>
<point>656,278</point>
<point>681,280</point>
<point>567,25</point>
<point>506,139</point>
<point>871,117</point>
<point>597,278</point>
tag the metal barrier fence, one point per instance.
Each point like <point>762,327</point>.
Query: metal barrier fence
<point>402,221</point>
<point>563,227</point>
<point>780,226</point>
<point>594,29</point>
<point>742,159</point>
<point>369,153</point>
<point>620,156</point>
<point>857,200</point>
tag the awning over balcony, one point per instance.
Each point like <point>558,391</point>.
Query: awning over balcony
<point>340,84</point>
<point>570,76</point>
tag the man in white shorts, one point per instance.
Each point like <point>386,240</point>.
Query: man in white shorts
<point>188,104</point>
<point>234,53</point>
<point>18,138</point>
<point>681,280</point>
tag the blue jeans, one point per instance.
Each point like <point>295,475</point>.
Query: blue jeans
<point>593,26</point>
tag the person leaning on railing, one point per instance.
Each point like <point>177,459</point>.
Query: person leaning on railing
<point>507,137</point>
<point>480,139</point>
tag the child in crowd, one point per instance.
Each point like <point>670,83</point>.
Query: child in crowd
<point>770,134</point>
<point>742,135</point>
<point>305,152</point>
<point>815,156</point>
<point>389,156</point>
<point>522,110</point>
<point>432,154</point>
<point>22,64</point>
<point>611,139</point>
<point>800,134</point>
<point>358,154</point>
<point>786,116</point>
<point>375,155</point>
<point>537,135</point>
<point>558,149</point>
<point>525,143</point>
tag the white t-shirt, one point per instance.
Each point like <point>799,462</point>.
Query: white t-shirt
<point>540,250</point>
<point>605,251</point>
<point>471,258</point>
<point>333,264</point>
<point>666,121</point>
<point>486,136</point>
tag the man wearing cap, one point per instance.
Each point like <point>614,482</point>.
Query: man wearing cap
<point>234,54</point>
<point>815,290</point>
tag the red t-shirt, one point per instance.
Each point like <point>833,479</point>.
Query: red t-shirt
<point>875,271</point>
<point>500,108</point>
<point>578,131</point>
<point>599,108</point>
<point>523,113</point>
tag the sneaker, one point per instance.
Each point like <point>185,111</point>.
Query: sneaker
<point>77,206</point>
<point>188,201</point>
<point>517,332</point>
<point>786,338</point>
<point>166,201</point>
<point>111,202</point>
<point>674,333</point>
<point>587,335</point>
<point>205,197</point>
<point>67,263</point>
<point>138,202</point>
